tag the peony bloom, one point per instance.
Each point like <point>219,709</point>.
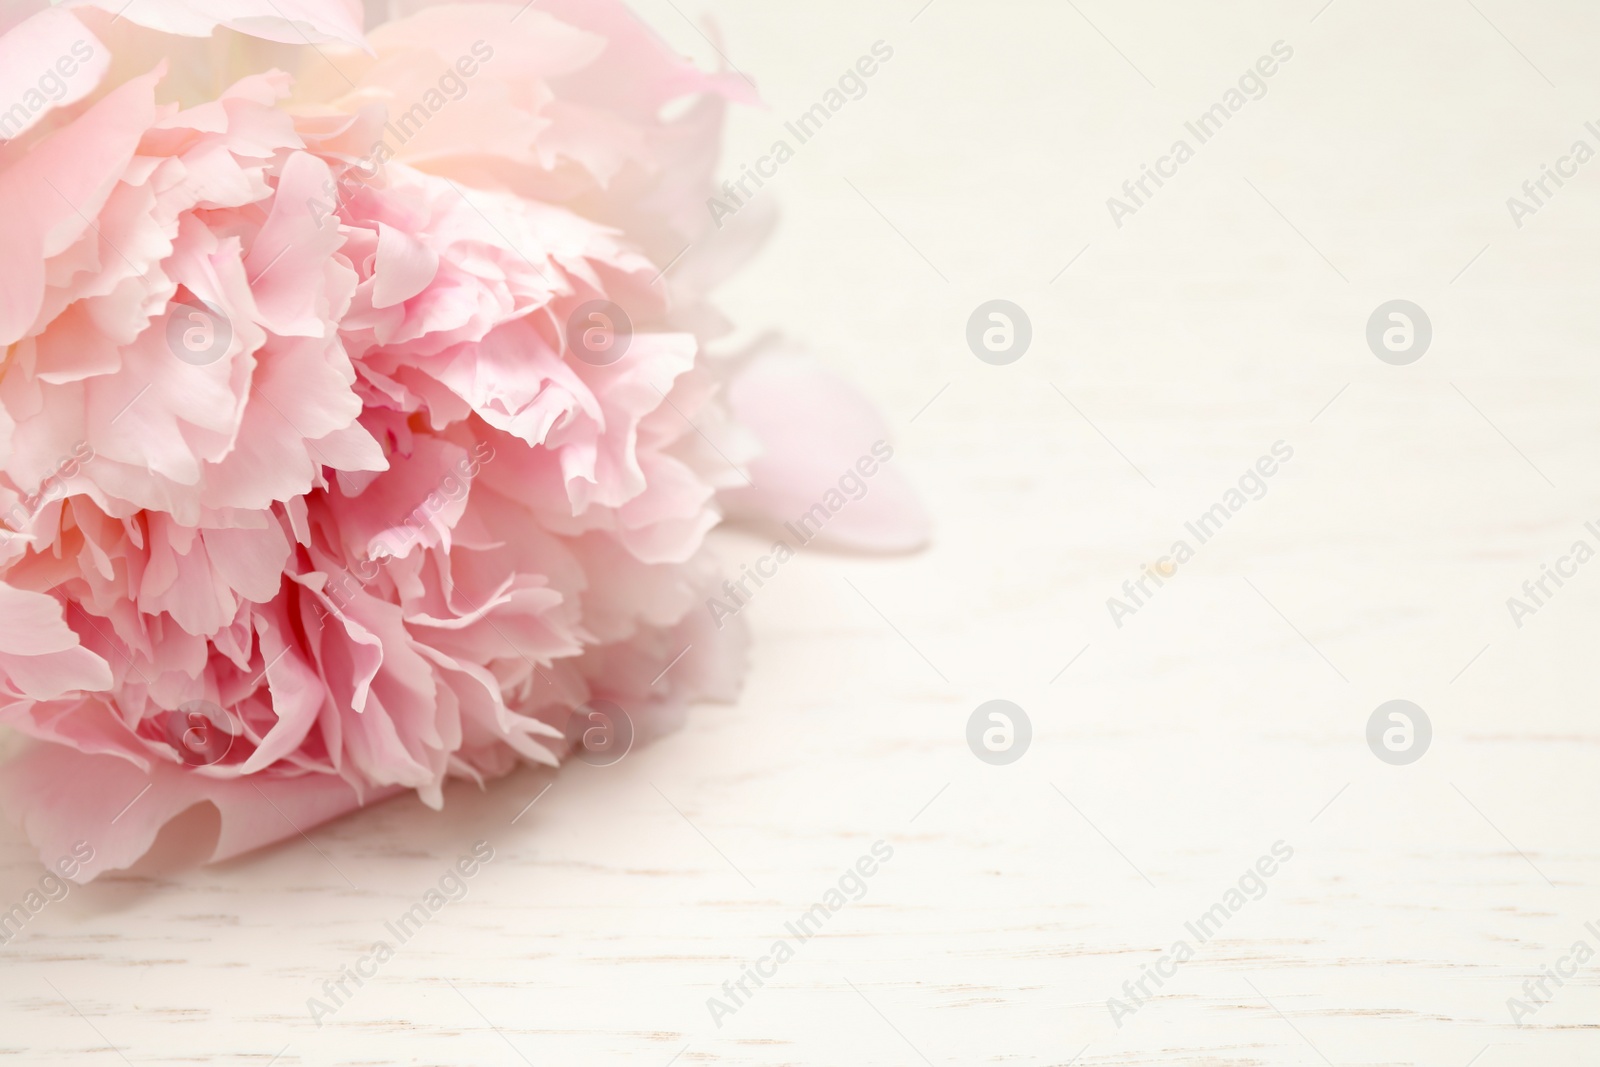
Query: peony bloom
<point>355,431</point>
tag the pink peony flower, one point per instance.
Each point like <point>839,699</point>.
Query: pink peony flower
<point>355,433</point>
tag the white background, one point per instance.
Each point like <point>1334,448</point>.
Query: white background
<point>1226,315</point>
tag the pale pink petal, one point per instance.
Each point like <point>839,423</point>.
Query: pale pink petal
<point>40,656</point>
<point>49,60</point>
<point>63,797</point>
<point>821,437</point>
<point>51,194</point>
<point>404,267</point>
<point>289,21</point>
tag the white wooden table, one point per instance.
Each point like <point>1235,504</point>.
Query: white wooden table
<point>1226,715</point>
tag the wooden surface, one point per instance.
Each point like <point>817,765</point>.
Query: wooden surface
<point>1225,716</point>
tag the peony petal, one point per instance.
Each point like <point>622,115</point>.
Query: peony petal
<point>288,21</point>
<point>66,799</point>
<point>405,267</point>
<point>51,194</point>
<point>817,429</point>
<point>49,53</point>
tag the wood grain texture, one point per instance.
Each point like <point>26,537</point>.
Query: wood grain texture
<point>1168,753</point>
